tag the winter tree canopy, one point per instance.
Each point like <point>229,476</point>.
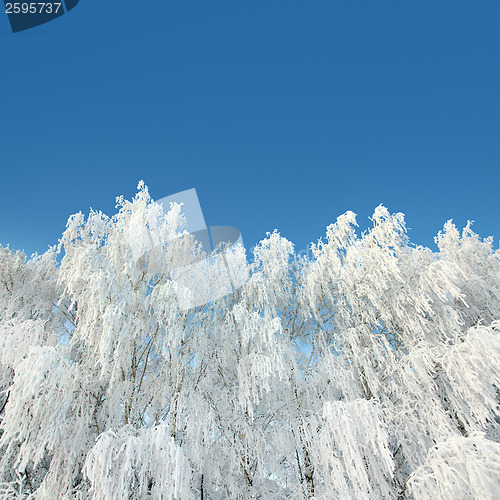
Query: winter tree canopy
<point>370,370</point>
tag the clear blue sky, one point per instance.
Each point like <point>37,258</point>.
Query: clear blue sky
<point>282,114</point>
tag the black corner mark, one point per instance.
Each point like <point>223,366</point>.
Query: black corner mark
<point>28,14</point>
<point>70,4</point>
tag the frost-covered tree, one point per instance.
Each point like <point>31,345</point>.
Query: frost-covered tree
<point>370,370</point>
<point>28,320</point>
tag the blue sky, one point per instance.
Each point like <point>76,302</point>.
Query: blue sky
<point>282,114</point>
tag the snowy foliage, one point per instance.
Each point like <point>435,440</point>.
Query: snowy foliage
<point>460,467</point>
<point>136,464</point>
<point>371,370</point>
